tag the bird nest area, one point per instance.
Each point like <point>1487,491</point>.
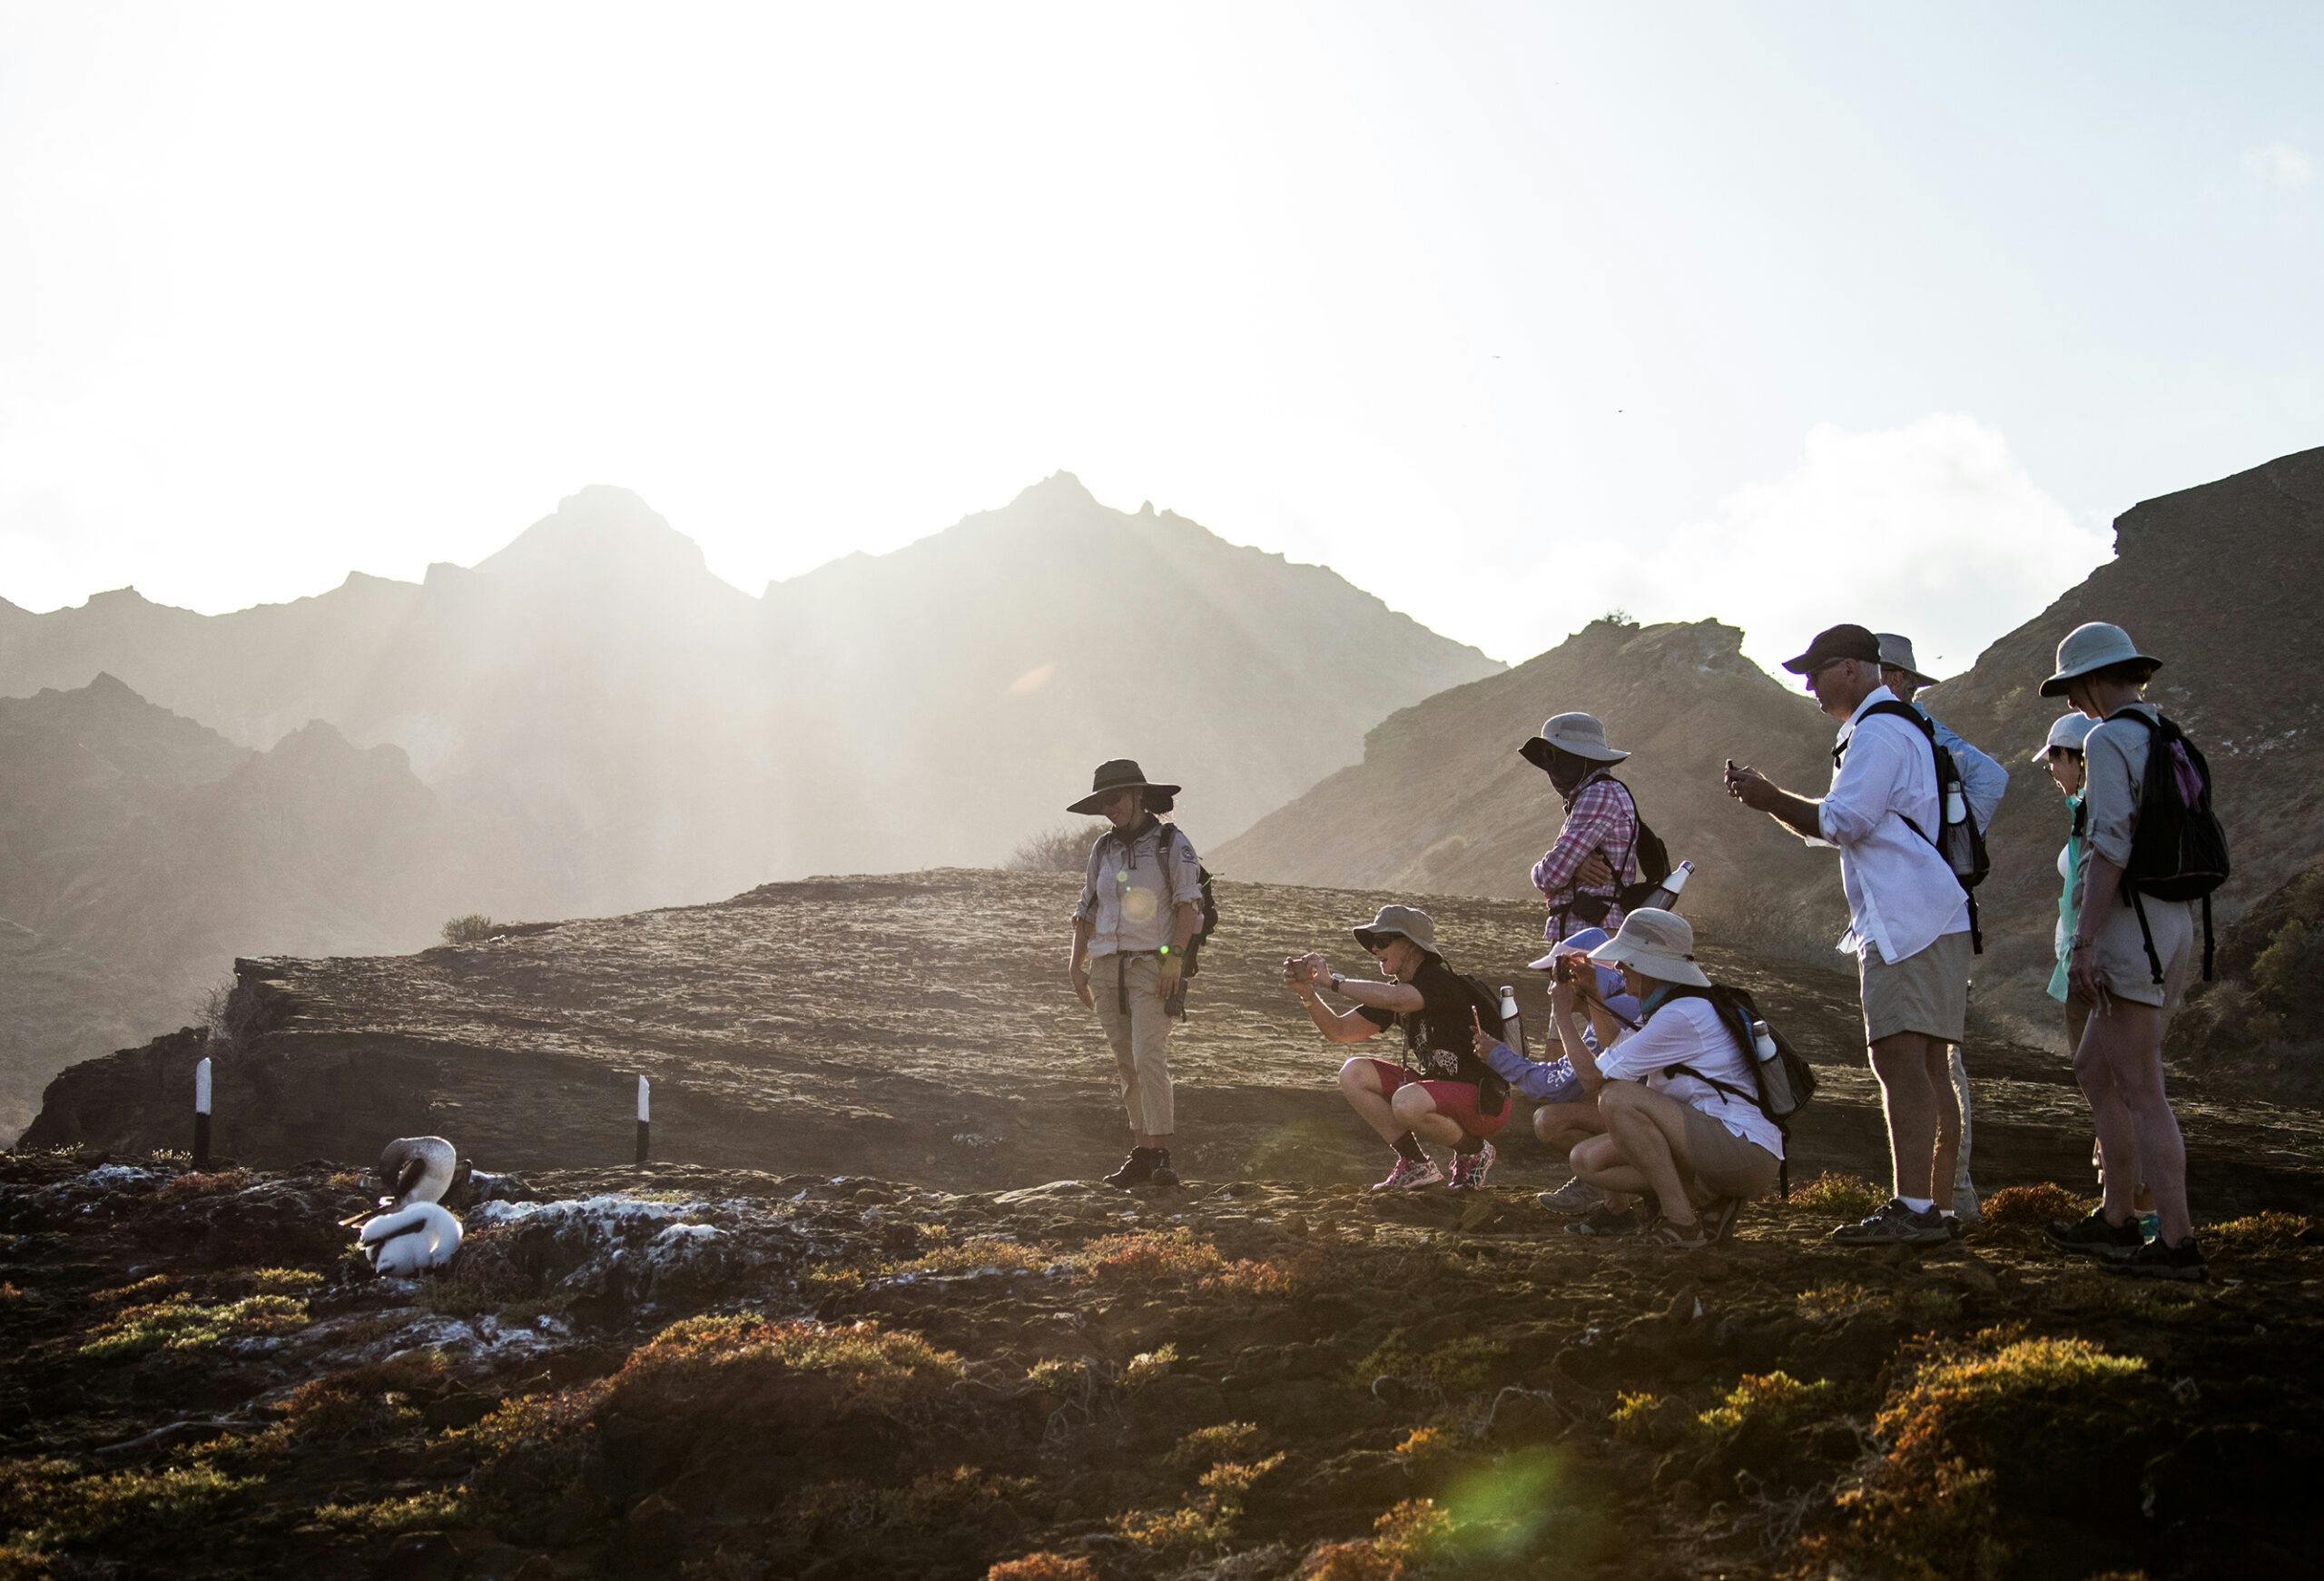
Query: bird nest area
<point>701,1372</point>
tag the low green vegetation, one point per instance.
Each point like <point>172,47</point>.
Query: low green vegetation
<point>182,1323</point>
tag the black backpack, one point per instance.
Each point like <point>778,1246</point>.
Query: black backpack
<point>1962,844</point>
<point>1782,1083</point>
<point>2178,851</point>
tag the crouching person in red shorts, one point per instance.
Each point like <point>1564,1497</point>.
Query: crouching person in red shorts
<point>1438,1090</point>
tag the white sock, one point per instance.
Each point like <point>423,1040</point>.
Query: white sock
<point>1918,1204</point>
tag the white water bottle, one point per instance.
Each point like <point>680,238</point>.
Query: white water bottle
<point>1512,1031</point>
<point>1665,894</point>
<point>1956,809</point>
<point>1763,1042</point>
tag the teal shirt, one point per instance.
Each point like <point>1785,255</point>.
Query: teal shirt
<point>2070,862</point>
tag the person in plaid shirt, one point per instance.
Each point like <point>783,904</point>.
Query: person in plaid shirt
<point>1597,850</point>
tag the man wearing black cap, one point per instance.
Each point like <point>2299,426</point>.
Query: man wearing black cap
<point>1909,919</point>
<point>1141,904</point>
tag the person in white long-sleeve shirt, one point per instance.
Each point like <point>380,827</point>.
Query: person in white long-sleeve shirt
<point>1984,783</point>
<point>1909,919</point>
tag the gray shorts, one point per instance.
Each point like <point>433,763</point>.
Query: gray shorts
<point>1925,993</point>
<point>1727,1164</point>
<point>2121,951</point>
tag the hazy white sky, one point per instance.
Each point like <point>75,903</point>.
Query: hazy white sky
<point>1788,313</point>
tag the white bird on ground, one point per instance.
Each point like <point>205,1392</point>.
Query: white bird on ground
<point>409,1240</point>
<point>415,1231</point>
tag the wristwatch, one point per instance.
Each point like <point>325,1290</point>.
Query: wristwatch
<point>1336,980</point>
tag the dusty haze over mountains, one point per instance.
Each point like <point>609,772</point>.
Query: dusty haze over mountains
<point>589,721</point>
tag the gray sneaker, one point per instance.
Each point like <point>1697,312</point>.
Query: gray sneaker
<point>1576,1196</point>
<point>1893,1224</point>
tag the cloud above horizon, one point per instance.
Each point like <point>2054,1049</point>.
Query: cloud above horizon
<point>1933,529</point>
<point>2280,165</point>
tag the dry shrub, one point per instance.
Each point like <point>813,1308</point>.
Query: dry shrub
<point>2031,1207</point>
<point>435,1506</point>
<point>369,1401</point>
<point>1992,1436</point>
<point>1148,1365</point>
<point>534,1450</point>
<point>1764,1405</point>
<point>873,1368</point>
<point>1847,1196</point>
<point>1042,1567</point>
<point>980,1253</point>
<point>1404,1543</point>
<point>1206,1446</point>
<point>182,1323</point>
<point>1152,1258</point>
<point>1254,1278</point>
<point>56,1506</point>
<point>2258,1232</point>
<point>208,1183</point>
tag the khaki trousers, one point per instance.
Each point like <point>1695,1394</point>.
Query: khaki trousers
<point>1141,1040</point>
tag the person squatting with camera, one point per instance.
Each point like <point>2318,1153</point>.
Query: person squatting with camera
<point>1439,1089</point>
<point>1677,1094</point>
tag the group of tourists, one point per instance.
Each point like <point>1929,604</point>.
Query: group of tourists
<point>1669,1095</point>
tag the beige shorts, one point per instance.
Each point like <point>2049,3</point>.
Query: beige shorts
<point>1925,992</point>
<point>1727,1164</point>
<point>2121,952</point>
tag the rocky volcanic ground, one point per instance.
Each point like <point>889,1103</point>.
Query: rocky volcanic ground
<point>858,1325</point>
<point>724,1373</point>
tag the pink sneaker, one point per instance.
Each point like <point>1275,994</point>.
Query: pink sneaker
<point>1407,1175</point>
<point>1469,1168</point>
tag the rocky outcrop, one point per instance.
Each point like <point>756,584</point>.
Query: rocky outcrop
<point>2219,582</point>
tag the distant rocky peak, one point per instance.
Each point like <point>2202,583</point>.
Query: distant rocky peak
<point>601,536</point>
<point>1059,490</point>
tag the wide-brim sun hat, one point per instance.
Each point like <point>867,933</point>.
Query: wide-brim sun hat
<point>2093,646</point>
<point>1582,735</point>
<point>2068,730</point>
<point>1121,774</point>
<point>1896,652</point>
<point>1402,921</point>
<point>1659,945</point>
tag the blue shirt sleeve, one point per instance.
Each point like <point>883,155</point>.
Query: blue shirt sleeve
<point>1983,781</point>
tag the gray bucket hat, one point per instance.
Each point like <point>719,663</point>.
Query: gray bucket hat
<point>1400,922</point>
<point>1659,944</point>
<point>1582,735</point>
<point>1896,652</point>
<point>2093,647</point>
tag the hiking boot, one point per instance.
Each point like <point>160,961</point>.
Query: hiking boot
<point>1469,1168</point>
<point>2150,1259</point>
<point>1893,1224</point>
<point>1576,1196</point>
<point>1410,1175</point>
<point>2091,1236</point>
<point>1136,1170</point>
<point>1159,1173</point>
<point>1603,1221</point>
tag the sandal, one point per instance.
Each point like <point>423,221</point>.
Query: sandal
<point>1681,1236</point>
